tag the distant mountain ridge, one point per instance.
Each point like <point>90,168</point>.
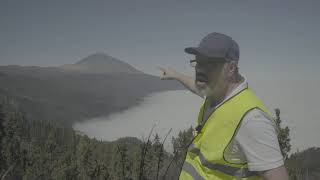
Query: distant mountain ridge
<point>81,92</point>
<point>100,63</point>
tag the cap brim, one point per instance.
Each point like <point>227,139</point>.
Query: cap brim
<point>197,51</point>
<point>192,50</point>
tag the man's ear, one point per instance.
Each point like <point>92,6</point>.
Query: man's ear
<point>231,68</point>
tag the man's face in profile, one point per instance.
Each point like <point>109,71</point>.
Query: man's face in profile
<point>208,75</point>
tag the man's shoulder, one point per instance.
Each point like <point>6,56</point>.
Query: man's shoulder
<point>256,115</point>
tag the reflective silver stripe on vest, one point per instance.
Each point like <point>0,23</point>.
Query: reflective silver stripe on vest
<point>192,171</point>
<point>232,171</point>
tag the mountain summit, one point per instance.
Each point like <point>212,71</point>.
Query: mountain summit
<point>96,86</point>
<point>100,63</point>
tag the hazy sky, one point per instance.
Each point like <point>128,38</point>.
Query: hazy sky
<point>276,37</point>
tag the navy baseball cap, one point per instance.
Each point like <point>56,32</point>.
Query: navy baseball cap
<point>216,46</point>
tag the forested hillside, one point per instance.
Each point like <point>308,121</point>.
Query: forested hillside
<point>46,150</point>
<point>38,150</point>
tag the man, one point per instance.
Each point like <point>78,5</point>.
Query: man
<point>236,135</point>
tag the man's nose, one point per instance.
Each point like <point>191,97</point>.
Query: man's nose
<point>200,72</point>
<point>201,69</point>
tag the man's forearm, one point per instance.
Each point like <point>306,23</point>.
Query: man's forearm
<point>188,82</point>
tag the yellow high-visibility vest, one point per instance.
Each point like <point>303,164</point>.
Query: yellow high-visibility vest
<point>205,156</point>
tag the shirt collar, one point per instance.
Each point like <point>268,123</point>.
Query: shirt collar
<point>236,90</point>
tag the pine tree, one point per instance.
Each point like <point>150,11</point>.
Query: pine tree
<point>283,135</point>
<point>2,134</point>
<point>180,145</point>
<point>125,163</point>
<point>12,152</point>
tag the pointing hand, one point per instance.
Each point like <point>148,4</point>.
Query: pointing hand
<point>167,73</point>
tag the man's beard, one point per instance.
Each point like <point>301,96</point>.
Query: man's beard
<point>204,90</point>
<point>202,83</point>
